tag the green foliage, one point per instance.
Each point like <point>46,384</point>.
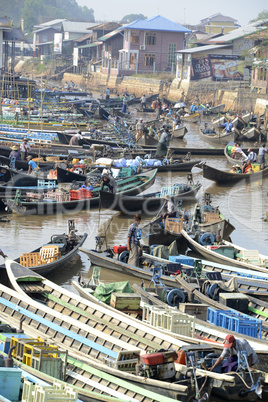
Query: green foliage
<point>263,15</point>
<point>132,17</point>
<point>39,11</point>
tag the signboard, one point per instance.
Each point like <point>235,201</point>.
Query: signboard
<point>201,68</point>
<point>58,43</point>
<point>218,67</point>
<point>75,56</point>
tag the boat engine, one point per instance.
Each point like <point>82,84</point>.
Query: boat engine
<point>159,365</point>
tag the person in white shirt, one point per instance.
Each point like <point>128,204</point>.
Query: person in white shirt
<point>252,156</point>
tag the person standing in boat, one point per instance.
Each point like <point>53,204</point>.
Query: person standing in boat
<point>24,149</point>
<point>232,346</point>
<point>228,126</point>
<point>15,153</point>
<point>124,105</point>
<point>171,210</point>
<point>252,156</point>
<point>158,108</point>
<point>261,155</point>
<point>143,102</point>
<point>133,242</point>
<point>109,182</point>
<point>139,129</point>
<point>32,164</point>
<point>163,142</point>
<point>107,93</point>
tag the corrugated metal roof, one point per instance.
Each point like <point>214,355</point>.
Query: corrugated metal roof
<point>109,35</point>
<point>46,28</point>
<point>157,23</point>
<point>82,27</point>
<point>90,45</point>
<point>202,49</point>
<point>239,33</point>
<point>217,17</point>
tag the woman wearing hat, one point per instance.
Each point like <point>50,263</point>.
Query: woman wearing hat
<point>171,210</point>
<point>24,149</point>
<point>15,153</point>
<point>232,346</point>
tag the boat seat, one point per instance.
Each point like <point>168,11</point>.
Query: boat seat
<point>252,256</point>
<point>126,360</point>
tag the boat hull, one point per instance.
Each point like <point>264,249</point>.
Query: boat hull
<point>222,177</point>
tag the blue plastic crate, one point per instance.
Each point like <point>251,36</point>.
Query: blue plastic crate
<point>233,321</point>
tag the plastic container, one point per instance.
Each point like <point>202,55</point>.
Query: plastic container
<point>119,249</point>
<point>256,167</point>
<point>75,195</point>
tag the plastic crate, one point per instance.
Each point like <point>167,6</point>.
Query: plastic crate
<point>238,322</point>
<point>84,193</point>
<point>75,195</point>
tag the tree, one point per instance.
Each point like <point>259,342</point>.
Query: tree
<point>263,15</point>
<point>132,17</point>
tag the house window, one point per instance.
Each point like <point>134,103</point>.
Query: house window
<point>44,38</point>
<point>149,59</point>
<point>171,54</point>
<point>134,38</point>
<point>150,38</point>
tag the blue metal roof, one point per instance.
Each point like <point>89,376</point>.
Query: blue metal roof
<point>156,23</point>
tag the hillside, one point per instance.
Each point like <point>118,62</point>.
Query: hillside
<point>39,11</point>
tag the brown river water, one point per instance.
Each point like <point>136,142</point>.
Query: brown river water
<point>245,205</point>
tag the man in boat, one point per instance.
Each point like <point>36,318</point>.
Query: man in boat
<point>32,165</point>
<point>193,108</point>
<point>24,149</point>
<point>171,210</point>
<point>163,142</point>
<point>75,139</point>
<point>15,153</point>
<point>252,156</point>
<point>107,93</point>
<point>133,242</point>
<point>143,102</point>
<point>109,182</point>
<point>228,126</point>
<point>232,346</point>
<point>139,129</point>
<point>2,254</point>
<point>158,108</point>
<point>261,154</point>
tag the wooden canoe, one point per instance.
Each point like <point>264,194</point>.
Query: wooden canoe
<point>208,252</point>
<point>223,177</point>
<point>192,118</point>
<point>131,185</point>
<point>79,329</point>
<point>218,138</point>
<point>68,250</point>
<point>143,204</point>
<point>232,160</point>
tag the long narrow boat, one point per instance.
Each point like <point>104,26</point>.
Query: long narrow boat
<point>218,138</point>
<point>217,109</point>
<point>233,161</point>
<point>147,203</point>
<point>192,118</point>
<point>74,328</point>
<point>131,185</point>
<point>223,177</point>
<point>55,254</point>
<point>215,252</point>
<point>4,160</point>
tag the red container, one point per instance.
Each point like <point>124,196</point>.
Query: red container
<point>75,195</point>
<point>85,193</point>
<point>119,249</point>
<point>153,359</point>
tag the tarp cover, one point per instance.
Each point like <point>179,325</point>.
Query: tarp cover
<point>104,290</point>
<point>166,251</point>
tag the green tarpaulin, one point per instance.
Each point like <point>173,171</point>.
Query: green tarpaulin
<point>104,290</point>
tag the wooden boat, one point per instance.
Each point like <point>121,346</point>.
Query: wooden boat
<point>74,330</point>
<point>232,160</point>
<point>192,118</point>
<point>147,140</point>
<point>210,219</point>
<point>220,138</point>
<point>217,109</point>
<point>178,165</point>
<point>131,185</point>
<point>223,177</point>
<point>237,256</point>
<point>239,123</point>
<point>147,203</point>
<point>55,254</point>
<point>16,178</point>
<point>24,165</point>
<point>249,134</point>
<point>217,122</point>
